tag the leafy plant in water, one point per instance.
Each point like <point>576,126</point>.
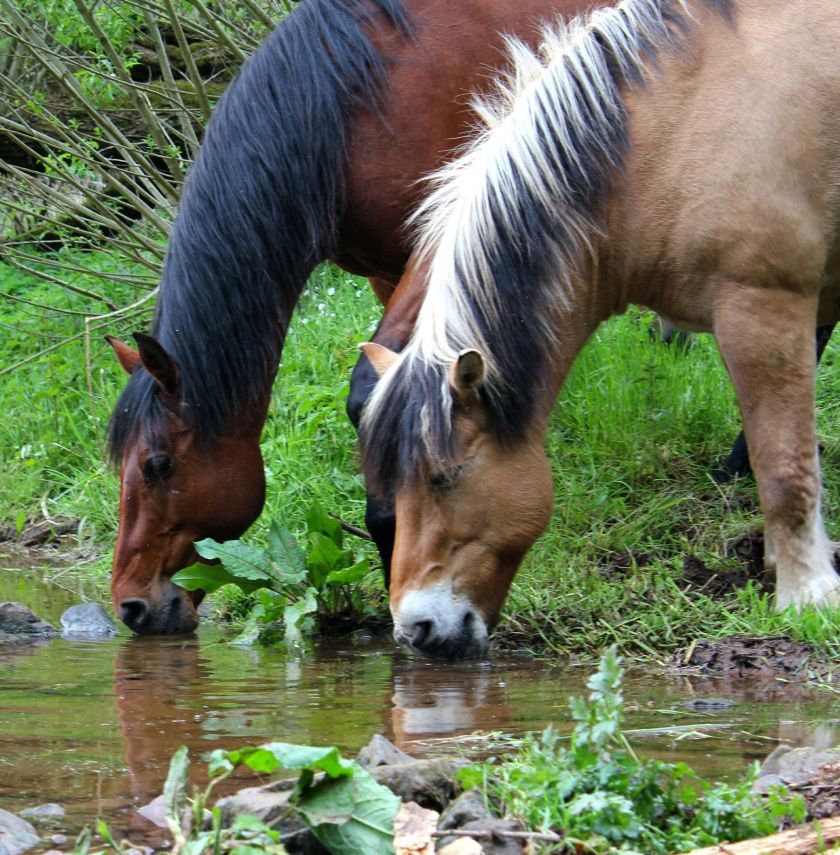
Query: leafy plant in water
<point>291,587</point>
<point>194,825</point>
<point>346,809</point>
<point>603,799</point>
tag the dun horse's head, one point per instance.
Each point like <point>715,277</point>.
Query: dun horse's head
<point>174,490</point>
<point>463,530</point>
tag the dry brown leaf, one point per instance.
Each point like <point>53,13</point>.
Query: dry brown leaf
<point>413,829</point>
<point>462,846</point>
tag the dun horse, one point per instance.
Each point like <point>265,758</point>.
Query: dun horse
<point>678,154</point>
<point>315,151</point>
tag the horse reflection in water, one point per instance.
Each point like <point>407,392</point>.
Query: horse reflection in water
<point>679,155</point>
<point>159,694</point>
<point>167,696</point>
<point>436,704</point>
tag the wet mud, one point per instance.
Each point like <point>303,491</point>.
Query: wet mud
<point>748,657</point>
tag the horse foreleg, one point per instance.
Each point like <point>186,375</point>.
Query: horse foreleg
<point>738,461</point>
<point>765,337</point>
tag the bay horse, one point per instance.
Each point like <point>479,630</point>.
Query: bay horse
<point>315,151</point>
<point>682,155</point>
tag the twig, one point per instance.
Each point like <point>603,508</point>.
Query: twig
<point>477,834</point>
<point>351,529</point>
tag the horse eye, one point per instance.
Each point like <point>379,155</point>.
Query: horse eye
<point>157,468</point>
<point>442,480</point>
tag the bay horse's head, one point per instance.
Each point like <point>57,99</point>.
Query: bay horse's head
<point>462,529</point>
<point>174,490</point>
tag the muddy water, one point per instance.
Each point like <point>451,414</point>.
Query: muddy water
<point>92,725</point>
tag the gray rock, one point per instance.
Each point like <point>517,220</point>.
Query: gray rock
<point>799,762</point>
<point>16,834</point>
<point>86,621</point>
<point>495,845</point>
<point>763,784</point>
<point>708,704</point>
<point>18,625</point>
<point>155,812</point>
<point>430,783</point>
<point>770,766</point>
<point>468,807</point>
<point>382,752</point>
<point>44,813</point>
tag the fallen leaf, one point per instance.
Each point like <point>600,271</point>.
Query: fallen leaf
<point>413,829</point>
<point>462,846</point>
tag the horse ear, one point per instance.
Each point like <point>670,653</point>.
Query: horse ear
<point>163,368</point>
<point>466,374</point>
<point>379,356</point>
<point>127,356</point>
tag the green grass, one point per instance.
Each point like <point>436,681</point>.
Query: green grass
<point>636,431</point>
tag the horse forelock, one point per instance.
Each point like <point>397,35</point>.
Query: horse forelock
<point>259,209</point>
<point>138,412</point>
<point>507,226</point>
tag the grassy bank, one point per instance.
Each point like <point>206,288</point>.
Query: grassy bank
<point>635,434</point>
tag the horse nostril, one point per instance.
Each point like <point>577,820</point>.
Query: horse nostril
<point>134,613</point>
<point>421,631</point>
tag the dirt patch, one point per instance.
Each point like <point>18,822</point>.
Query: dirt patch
<point>699,578</point>
<point>617,565</point>
<point>741,656</point>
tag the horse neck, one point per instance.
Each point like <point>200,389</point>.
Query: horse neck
<point>403,307</point>
<point>589,303</point>
<point>248,423</point>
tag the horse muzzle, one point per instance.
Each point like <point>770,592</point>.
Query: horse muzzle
<point>170,613</point>
<point>433,622</point>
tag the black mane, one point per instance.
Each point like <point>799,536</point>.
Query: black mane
<point>259,210</point>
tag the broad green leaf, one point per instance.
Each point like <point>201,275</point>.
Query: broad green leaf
<point>285,755</point>
<point>243,822</point>
<point>247,849</point>
<point>242,560</point>
<point>250,634</point>
<point>175,789</point>
<point>286,553</point>
<point>210,577</point>
<point>196,847</point>
<point>351,816</point>
<point>320,522</point>
<point>269,606</point>
<point>323,557</point>
<point>219,763</point>
<point>348,575</point>
<point>295,613</point>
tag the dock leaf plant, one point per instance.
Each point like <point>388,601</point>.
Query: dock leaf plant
<point>595,792</point>
<point>293,589</point>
